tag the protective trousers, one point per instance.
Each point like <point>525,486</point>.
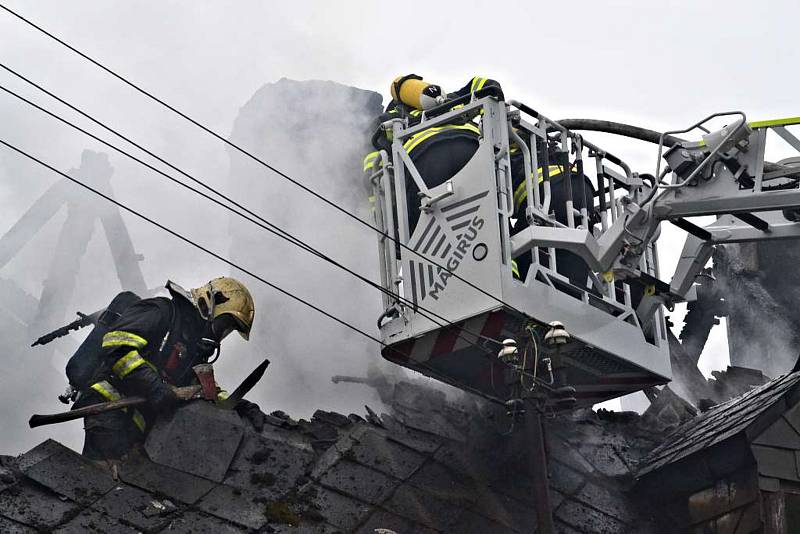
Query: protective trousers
<point>108,436</point>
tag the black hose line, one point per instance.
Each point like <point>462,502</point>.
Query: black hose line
<point>618,128</point>
<point>643,134</point>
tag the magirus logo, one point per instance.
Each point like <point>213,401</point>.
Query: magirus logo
<point>428,280</point>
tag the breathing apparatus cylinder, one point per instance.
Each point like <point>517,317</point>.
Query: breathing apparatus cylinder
<point>413,91</point>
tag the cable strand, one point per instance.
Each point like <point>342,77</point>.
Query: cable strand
<point>257,159</point>
<point>196,245</point>
<point>270,227</point>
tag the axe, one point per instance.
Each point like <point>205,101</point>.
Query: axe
<point>183,394</point>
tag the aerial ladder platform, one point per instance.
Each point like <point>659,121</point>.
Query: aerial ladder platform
<point>453,296</point>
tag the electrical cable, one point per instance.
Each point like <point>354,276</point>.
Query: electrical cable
<point>213,254</point>
<point>256,159</point>
<point>194,244</point>
<point>270,227</point>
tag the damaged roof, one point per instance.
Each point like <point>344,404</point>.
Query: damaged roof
<point>430,466</point>
<point>724,421</point>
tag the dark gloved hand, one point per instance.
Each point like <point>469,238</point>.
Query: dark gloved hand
<point>145,381</point>
<point>250,411</point>
<point>162,399</point>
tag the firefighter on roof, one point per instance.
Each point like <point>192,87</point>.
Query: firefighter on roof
<point>152,346</point>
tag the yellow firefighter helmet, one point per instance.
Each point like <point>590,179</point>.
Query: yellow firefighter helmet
<point>226,296</point>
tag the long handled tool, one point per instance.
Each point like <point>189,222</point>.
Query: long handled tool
<point>246,385</point>
<point>183,393</point>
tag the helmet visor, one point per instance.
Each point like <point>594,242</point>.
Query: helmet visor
<point>226,323</point>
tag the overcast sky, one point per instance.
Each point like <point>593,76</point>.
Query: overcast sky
<point>662,65</point>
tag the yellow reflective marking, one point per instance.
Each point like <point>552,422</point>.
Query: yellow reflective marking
<point>106,390</point>
<point>110,393</point>
<point>127,364</point>
<point>775,122</point>
<point>138,420</point>
<point>415,140</point>
<point>481,84</point>
<point>119,338</point>
<point>608,276</point>
<point>515,269</point>
<point>521,193</point>
<point>472,85</point>
<point>369,160</point>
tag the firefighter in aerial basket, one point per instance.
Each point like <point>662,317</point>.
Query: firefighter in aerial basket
<point>583,194</point>
<point>151,346</point>
<point>439,152</point>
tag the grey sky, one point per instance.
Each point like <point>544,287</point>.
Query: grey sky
<point>660,65</point>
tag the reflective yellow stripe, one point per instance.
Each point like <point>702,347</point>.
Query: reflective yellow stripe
<point>521,193</point>
<point>415,113</point>
<point>415,140</point>
<point>138,420</point>
<point>106,390</point>
<point>119,338</point>
<point>369,160</point>
<point>514,269</point>
<point>110,393</point>
<point>477,84</point>
<point>127,364</point>
<point>775,122</point>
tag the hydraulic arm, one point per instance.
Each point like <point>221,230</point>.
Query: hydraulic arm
<point>723,174</point>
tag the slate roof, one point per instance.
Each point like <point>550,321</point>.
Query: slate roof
<point>430,466</point>
<point>720,423</point>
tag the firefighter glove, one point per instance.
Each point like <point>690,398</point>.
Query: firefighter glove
<point>162,398</point>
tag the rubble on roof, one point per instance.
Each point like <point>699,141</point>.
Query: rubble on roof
<point>735,381</point>
<point>721,422</point>
<point>430,465</point>
<point>669,410</point>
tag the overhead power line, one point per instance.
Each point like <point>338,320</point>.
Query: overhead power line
<point>194,244</point>
<point>267,225</point>
<point>256,158</point>
<point>223,259</point>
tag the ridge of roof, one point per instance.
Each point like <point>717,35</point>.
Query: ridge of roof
<point>718,424</point>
